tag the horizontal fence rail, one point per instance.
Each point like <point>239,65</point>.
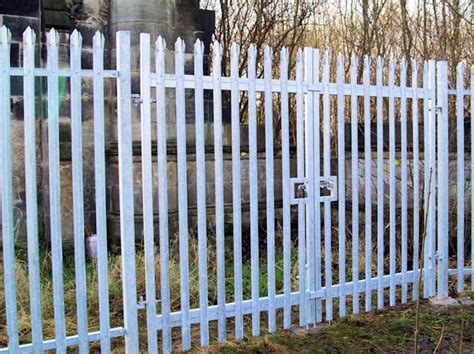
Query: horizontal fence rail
<point>319,191</point>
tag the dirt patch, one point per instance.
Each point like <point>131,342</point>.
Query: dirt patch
<point>389,331</point>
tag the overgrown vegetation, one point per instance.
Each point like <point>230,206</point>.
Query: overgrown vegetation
<point>115,288</point>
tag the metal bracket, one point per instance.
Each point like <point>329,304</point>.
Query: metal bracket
<point>330,184</point>
<point>136,99</point>
<point>299,191</point>
<point>314,295</point>
<point>142,303</point>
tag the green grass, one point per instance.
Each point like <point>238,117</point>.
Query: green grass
<point>390,330</point>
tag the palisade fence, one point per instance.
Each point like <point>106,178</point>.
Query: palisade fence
<point>362,222</point>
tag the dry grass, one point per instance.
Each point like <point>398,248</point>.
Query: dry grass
<point>115,288</point>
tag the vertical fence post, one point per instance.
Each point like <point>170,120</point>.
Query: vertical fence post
<point>160,58</point>
<point>100,193</point>
<point>309,59</point>
<point>300,174</point>
<point>127,221</point>
<point>431,225</point>
<point>6,190</point>
<point>429,276</point>
<point>78,190</point>
<point>460,174</point>
<point>253,189</point>
<point>55,190</point>
<point>443,178</point>
<point>219,190</point>
<point>147,175</point>
<point>29,40</point>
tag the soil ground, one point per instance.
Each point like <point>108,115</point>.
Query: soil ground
<point>444,330</point>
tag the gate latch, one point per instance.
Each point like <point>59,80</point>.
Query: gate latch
<point>299,188</point>
<point>328,189</point>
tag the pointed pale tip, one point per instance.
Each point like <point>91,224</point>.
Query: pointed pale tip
<point>53,37</point>
<point>216,50</point>
<point>198,46</point>
<point>252,51</point>
<point>353,59</point>
<point>29,36</point>
<point>98,39</point>
<point>5,35</point>
<point>268,51</point>
<point>234,48</point>
<point>160,43</point>
<point>179,45</point>
<point>76,38</point>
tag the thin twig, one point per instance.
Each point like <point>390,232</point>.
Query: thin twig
<point>440,340</point>
<point>417,316</point>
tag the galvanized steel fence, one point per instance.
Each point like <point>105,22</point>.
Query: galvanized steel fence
<point>342,202</point>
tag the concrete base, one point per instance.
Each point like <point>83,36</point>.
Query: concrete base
<point>449,302</point>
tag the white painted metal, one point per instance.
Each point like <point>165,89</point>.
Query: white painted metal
<point>313,222</point>
<point>341,172</point>
<point>98,42</point>
<point>236,192</point>
<point>472,174</point>
<point>315,180</point>
<point>179,48</point>
<point>392,182</point>
<point>29,39</point>
<point>285,162</point>
<point>368,184</point>
<point>147,176</point>
<point>160,55</point>
<point>54,190</point>
<point>431,223</point>
<point>127,218</point>
<point>443,178</point>
<point>404,179</point>
<point>243,84</point>
<point>428,182</point>
<point>6,191</point>
<point>416,182</point>
<point>219,190</point>
<point>201,190</point>
<point>310,92</point>
<point>51,344</point>
<point>78,190</point>
<point>300,136</point>
<point>380,185</point>
<point>253,181</point>
<point>460,174</point>
<point>327,174</point>
<point>355,189</point>
<point>270,188</point>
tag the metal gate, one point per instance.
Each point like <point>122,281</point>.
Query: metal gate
<point>364,215</point>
